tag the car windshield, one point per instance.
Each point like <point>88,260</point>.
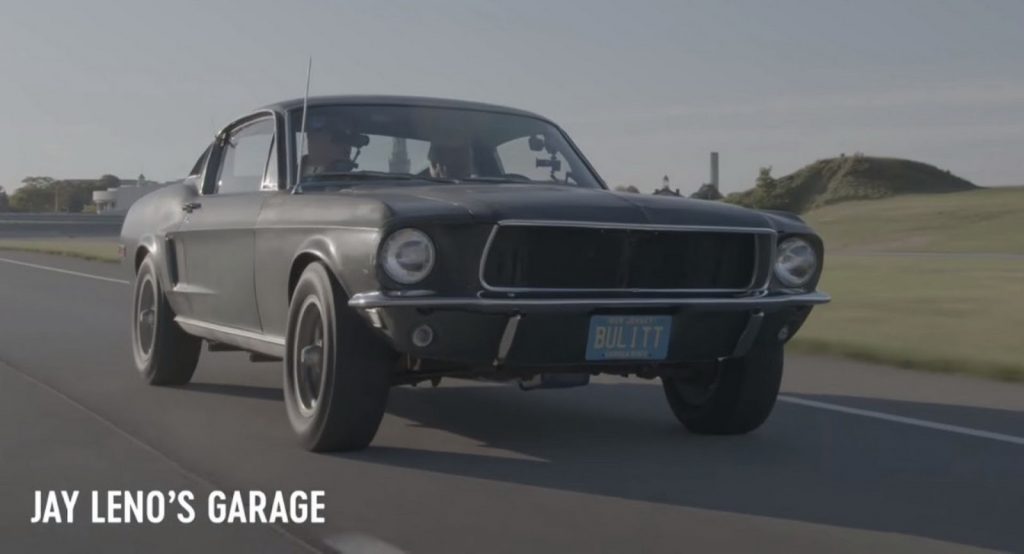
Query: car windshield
<point>365,143</point>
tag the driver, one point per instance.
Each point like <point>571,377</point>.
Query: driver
<point>450,161</point>
<point>329,150</point>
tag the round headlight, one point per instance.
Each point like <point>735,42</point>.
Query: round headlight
<point>796,262</point>
<point>407,256</point>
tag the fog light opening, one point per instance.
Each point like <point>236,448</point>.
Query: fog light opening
<point>784,333</point>
<point>422,336</point>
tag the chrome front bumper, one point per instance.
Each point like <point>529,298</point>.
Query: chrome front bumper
<point>766,302</point>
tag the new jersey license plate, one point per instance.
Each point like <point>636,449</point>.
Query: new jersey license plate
<point>628,337</point>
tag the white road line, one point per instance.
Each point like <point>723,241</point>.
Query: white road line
<point>905,420</point>
<point>67,271</point>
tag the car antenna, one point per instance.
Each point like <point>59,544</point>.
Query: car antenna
<point>302,130</point>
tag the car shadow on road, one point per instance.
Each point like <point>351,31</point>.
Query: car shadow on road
<point>805,464</point>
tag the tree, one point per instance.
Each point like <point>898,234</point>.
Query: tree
<point>108,181</point>
<point>75,202</point>
<point>627,188</point>
<point>41,182</point>
<point>4,202</point>
<point>35,195</point>
<point>769,193</point>
<point>707,191</point>
<point>76,195</point>
<point>765,181</point>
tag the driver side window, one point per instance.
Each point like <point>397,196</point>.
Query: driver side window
<point>246,159</point>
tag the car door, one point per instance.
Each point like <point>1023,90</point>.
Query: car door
<point>215,239</point>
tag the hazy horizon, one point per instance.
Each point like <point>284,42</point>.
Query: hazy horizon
<point>123,88</point>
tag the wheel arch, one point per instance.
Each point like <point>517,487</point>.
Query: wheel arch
<point>162,252</point>
<point>147,244</point>
<point>140,254</point>
<point>315,251</point>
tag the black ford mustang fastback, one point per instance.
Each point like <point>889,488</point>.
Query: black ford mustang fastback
<point>371,241</point>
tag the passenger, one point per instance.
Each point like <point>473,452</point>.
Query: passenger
<point>450,161</point>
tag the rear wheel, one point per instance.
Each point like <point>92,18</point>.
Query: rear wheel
<point>733,397</point>
<point>164,353</point>
<point>337,373</point>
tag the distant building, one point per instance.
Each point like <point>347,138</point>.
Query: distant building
<point>117,200</point>
<point>399,161</point>
<point>709,191</point>
<point>665,190</point>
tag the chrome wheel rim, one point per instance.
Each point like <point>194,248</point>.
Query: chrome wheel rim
<point>308,357</point>
<point>145,316</point>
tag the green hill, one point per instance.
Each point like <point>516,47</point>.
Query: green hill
<point>857,177</point>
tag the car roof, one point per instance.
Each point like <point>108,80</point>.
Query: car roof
<point>387,100</point>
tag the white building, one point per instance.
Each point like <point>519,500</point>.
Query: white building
<point>117,200</point>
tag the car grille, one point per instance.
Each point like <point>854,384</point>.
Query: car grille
<point>552,257</point>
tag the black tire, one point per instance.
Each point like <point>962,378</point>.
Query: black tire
<point>735,397</point>
<point>340,406</point>
<point>164,353</point>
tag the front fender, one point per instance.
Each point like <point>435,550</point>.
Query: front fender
<point>282,253</point>
<point>316,248</point>
<point>147,225</point>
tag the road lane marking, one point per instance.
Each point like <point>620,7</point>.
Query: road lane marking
<point>905,420</point>
<point>359,542</point>
<point>67,271</point>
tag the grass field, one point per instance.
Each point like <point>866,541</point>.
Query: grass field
<point>104,250</point>
<point>949,315</point>
<point>958,309</point>
<point>986,220</point>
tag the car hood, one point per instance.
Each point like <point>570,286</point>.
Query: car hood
<point>496,202</point>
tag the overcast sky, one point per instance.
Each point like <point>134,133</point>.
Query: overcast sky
<point>645,88</point>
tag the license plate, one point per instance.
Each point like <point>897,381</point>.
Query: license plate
<point>628,337</point>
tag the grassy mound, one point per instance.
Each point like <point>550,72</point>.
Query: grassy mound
<point>848,178</point>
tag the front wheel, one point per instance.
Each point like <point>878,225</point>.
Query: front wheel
<point>733,397</point>
<point>164,353</point>
<point>337,373</point>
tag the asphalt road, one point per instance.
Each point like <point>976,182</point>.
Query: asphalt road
<point>855,458</point>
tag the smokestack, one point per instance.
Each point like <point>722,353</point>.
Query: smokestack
<point>714,170</point>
